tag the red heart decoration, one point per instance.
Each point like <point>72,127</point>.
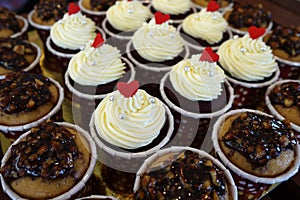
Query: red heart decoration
<point>255,32</point>
<point>212,6</point>
<point>161,18</point>
<point>98,41</point>
<point>128,89</point>
<point>209,55</point>
<point>73,8</point>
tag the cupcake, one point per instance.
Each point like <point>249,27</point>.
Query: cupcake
<point>92,73</point>
<point>183,173</point>
<point>157,45</point>
<point>95,9</point>
<point>124,17</point>
<point>259,149</point>
<point>177,9</point>
<point>44,14</point>
<point>37,166</point>
<point>12,25</point>
<point>17,54</point>
<point>197,91</point>
<point>285,43</point>
<point>224,4</point>
<point>205,28</point>
<point>249,65</point>
<point>128,125</point>
<point>27,100</point>
<point>244,15</point>
<point>283,101</point>
<point>69,34</point>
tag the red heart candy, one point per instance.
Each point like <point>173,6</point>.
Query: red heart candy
<point>212,6</point>
<point>161,18</point>
<point>255,32</point>
<point>73,8</point>
<point>98,41</point>
<point>128,89</point>
<point>209,55</point>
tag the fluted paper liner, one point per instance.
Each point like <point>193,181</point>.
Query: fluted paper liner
<point>256,179</point>
<point>129,161</point>
<point>55,109</point>
<point>99,96</point>
<point>196,46</point>
<point>76,188</point>
<point>97,197</point>
<point>35,25</point>
<point>67,55</point>
<point>149,67</point>
<point>157,159</point>
<point>271,108</point>
<point>24,28</point>
<point>193,114</point>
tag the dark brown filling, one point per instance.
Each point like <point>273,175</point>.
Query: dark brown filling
<point>286,39</point>
<point>51,9</point>
<point>8,20</point>
<point>48,152</point>
<point>286,94</point>
<point>188,177</point>
<point>13,53</point>
<point>23,92</point>
<point>246,15</point>
<point>102,5</point>
<point>259,138</point>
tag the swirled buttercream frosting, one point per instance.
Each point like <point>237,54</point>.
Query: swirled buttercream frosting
<point>157,42</point>
<point>129,122</point>
<point>73,31</point>
<point>96,66</point>
<point>247,59</point>
<point>197,80</point>
<point>128,15</point>
<point>205,25</point>
<point>173,7</point>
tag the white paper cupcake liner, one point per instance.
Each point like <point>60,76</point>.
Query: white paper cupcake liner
<point>194,114</point>
<point>67,55</point>
<point>34,63</point>
<point>90,12</point>
<point>7,189</point>
<point>97,197</point>
<point>271,108</point>
<point>36,25</point>
<point>23,30</point>
<point>99,96</point>
<point>124,160</point>
<point>195,45</point>
<point>266,180</point>
<point>26,127</point>
<point>156,159</point>
<point>149,66</point>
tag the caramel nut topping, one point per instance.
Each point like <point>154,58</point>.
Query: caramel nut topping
<point>286,94</point>
<point>8,20</point>
<point>101,5</point>
<point>249,15</point>
<point>259,138</point>
<point>51,9</point>
<point>49,152</point>
<point>286,38</point>
<point>23,92</point>
<point>13,52</point>
<point>188,177</point>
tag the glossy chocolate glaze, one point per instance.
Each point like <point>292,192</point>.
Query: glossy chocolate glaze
<point>286,94</point>
<point>51,9</point>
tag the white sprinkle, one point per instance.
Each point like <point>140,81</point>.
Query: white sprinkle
<point>94,63</point>
<point>235,37</point>
<point>151,34</point>
<point>82,48</point>
<point>60,21</point>
<point>187,68</point>
<point>122,116</point>
<point>214,16</point>
<point>152,100</point>
<point>172,35</point>
<point>130,11</point>
<point>243,50</point>
<point>83,22</point>
<point>112,98</point>
<point>211,74</point>
<point>264,48</point>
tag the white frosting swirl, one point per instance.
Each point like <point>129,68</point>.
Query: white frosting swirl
<point>247,59</point>
<point>128,15</point>
<point>173,7</point>
<point>197,80</point>
<point>208,26</point>
<point>96,66</point>
<point>73,31</point>
<point>129,122</point>
<point>157,42</point>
